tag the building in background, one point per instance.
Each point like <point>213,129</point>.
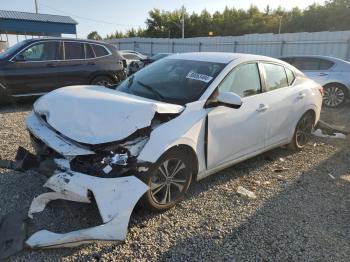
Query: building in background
<point>34,25</point>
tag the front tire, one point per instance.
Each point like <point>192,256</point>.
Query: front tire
<point>302,132</point>
<point>168,180</point>
<point>334,95</point>
<point>103,81</point>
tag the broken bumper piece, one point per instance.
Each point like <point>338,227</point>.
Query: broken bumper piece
<point>115,199</point>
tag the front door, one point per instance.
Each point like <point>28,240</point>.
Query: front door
<point>234,133</point>
<point>34,70</point>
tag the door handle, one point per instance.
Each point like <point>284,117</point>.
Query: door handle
<point>301,95</point>
<point>323,74</point>
<point>51,65</point>
<point>262,108</point>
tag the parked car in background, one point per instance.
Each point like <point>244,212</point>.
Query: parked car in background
<point>137,65</point>
<point>130,56</point>
<point>37,66</point>
<point>332,73</point>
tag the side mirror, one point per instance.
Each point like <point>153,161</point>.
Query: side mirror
<point>229,99</point>
<point>19,58</point>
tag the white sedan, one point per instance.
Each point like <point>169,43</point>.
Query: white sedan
<point>180,119</point>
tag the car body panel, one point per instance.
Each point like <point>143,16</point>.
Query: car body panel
<point>98,115</point>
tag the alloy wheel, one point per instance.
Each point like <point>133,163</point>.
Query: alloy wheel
<point>103,83</point>
<point>169,182</point>
<point>303,131</point>
<point>333,96</point>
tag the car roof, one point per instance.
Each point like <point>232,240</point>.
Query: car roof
<point>66,39</point>
<point>220,57</point>
<point>331,58</point>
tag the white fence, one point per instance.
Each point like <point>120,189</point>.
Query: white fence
<point>336,44</point>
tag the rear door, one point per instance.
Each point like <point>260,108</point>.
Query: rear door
<point>34,70</point>
<point>316,68</point>
<point>286,101</point>
<point>73,70</point>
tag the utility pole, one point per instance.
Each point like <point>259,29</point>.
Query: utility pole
<point>280,26</point>
<point>183,22</point>
<point>36,6</point>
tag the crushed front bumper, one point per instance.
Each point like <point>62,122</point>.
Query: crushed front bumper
<point>115,199</point>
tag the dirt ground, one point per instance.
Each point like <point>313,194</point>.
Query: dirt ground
<point>301,213</point>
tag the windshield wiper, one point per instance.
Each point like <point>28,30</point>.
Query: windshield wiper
<point>159,95</point>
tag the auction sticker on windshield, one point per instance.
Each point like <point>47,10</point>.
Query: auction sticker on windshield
<point>199,77</point>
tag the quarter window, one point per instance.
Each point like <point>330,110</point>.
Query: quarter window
<point>100,50</point>
<point>42,52</point>
<point>244,81</point>
<point>275,76</point>
<point>74,50</point>
<point>290,76</point>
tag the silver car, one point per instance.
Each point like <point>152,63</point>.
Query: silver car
<point>332,73</point>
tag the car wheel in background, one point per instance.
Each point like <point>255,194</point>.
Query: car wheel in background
<point>103,81</point>
<point>334,95</point>
<point>168,180</point>
<point>302,132</point>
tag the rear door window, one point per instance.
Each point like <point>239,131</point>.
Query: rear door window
<point>100,50</point>
<point>312,64</point>
<point>88,51</point>
<point>275,76</point>
<point>74,50</point>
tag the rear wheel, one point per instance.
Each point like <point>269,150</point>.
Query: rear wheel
<point>302,132</point>
<point>334,95</point>
<point>103,81</point>
<point>168,180</point>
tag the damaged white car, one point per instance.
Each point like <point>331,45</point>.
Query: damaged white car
<point>180,119</point>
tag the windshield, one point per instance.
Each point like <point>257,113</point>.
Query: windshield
<point>158,56</point>
<point>9,51</point>
<point>173,81</point>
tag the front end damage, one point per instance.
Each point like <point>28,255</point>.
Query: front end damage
<point>109,174</point>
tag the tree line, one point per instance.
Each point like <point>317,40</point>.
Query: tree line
<point>333,15</point>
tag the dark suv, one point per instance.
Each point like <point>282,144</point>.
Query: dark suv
<point>37,66</point>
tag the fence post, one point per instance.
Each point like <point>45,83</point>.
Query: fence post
<point>282,45</point>
<point>200,47</point>
<point>235,46</point>
<point>348,51</point>
<point>172,47</point>
<point>119,45</point>
<point>151,48</point>
<point>134,45</point>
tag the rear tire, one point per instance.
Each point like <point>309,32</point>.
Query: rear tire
<point>302,132</point>
<point>168,180</point>
<point>103,81</point>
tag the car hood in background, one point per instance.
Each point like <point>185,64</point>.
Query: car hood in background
<point>95,115</point>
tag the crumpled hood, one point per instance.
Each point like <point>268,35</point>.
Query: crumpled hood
<point>95,115</point>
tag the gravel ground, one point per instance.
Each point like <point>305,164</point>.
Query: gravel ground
<point>301,213</point>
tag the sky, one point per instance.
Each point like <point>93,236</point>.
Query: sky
<point>106,16</point>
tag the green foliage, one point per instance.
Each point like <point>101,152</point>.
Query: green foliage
<point>332,16</point>
<point>94,36</point>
